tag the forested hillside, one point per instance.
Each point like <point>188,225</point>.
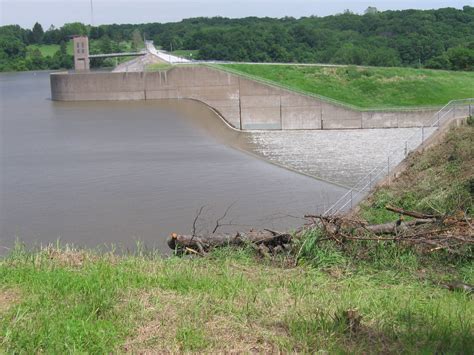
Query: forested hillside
<point>439,39</point>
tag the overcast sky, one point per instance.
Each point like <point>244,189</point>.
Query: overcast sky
<point>58,12</point>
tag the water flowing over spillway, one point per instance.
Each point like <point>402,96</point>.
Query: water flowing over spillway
<point>340,156</point>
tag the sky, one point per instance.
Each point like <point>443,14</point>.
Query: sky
<point>57,12</point>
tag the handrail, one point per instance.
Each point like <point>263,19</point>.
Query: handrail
<point>465,107</point>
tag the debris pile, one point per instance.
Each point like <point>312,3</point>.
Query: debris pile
<point>427,232</point>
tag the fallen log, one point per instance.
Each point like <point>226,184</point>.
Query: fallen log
<point>202,244</point>
<point>413,214</point>
<point>394,227</point>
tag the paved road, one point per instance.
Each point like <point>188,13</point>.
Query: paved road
<point>167,57</point>
<point>156,56</point>
<point>152,56</point>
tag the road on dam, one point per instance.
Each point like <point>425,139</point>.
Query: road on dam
<point>93,173</point>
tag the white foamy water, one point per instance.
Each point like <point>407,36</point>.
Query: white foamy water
<point>342,156</point>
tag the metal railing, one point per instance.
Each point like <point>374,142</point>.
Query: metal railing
<point>454,109</point>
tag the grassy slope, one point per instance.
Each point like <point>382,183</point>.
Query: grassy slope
<point>158,67</point>
<point>186,53</point>
<point>50,49</point>
<point>441,180</point>
<point>80,301</point>
<point>369,87</point>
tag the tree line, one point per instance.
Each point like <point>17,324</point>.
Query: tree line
<point>439,39</point>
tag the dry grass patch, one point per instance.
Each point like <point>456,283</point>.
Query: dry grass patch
<point>161,309</point>
<point>246,322</point>
<point>76,258</point>
<point>8,298</point>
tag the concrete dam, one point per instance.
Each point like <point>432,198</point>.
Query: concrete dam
<point>243,103</point>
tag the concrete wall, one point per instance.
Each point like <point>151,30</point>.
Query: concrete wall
<point>243,103</point>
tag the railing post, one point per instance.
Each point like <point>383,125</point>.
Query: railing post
<point>388,169</point>
<point>406,148</point>
<point>351,199</point>
<point>422,134</point>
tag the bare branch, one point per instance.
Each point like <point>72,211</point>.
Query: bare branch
<point>222,217</point>
<point>198,214</point>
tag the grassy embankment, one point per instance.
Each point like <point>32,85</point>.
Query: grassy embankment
<point>158,67</point>
<point>73,301</point>
<point>48,50</point>
<point>186,53</point>
<point>439,181</point>
<point>368,88</point>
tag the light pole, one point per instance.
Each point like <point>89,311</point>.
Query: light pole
<point>92,14</point>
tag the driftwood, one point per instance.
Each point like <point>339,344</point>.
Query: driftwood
<point>266,242</point>
<point>458,286</point>
<point>413,214</point>
<point>427,232</point>
<point>394,227</point>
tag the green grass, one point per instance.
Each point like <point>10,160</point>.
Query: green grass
<point>49,49</point>
<point>439,181</point>
<point>70,300</point>
<point>368,88</point>
<point>186,53</point>
<point>158,67</point>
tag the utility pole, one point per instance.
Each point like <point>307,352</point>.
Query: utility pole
<point>92,14</point>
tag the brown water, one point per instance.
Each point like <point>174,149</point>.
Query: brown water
<point>95,173</point>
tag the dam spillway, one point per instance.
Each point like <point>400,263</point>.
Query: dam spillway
<point>118,172</point>
<point>243,103</point>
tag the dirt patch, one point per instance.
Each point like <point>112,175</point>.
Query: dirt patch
<point>76,258</point>
<point>8,298</point>
<point>369,338</point>
<point>397,79</point>
<point>237,337</point>
<point>330,71</point>
<point>163,316</point>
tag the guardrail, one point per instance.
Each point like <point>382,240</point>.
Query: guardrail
<point>120,54</point>
<point>454,109</point>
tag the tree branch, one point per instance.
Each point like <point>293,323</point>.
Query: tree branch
<point>222,217</point>
<point>196,219</point>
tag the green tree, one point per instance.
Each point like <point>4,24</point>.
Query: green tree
<point>61,59</point>
<point>461,58</point>
<point>371,10</point>
<point>12,47</point>
<point>137,41</point>
<point>439,62</point>
<point>36,60</point>
<point>37,34</point>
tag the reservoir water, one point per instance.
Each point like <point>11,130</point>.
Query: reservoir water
<point>102,173</point>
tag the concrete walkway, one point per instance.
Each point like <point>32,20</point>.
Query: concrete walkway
<point>152,56</point>
<point>169,58</point>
